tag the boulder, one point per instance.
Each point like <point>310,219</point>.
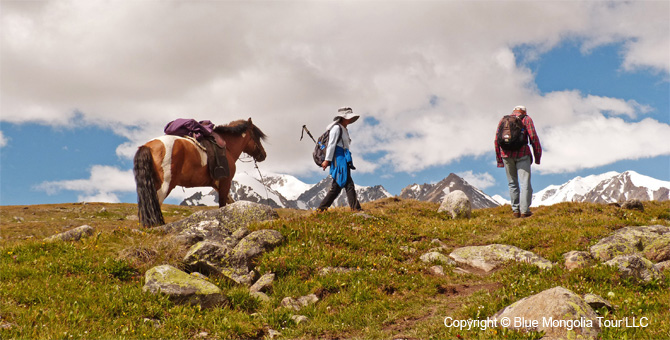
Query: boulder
<point>559,312</point>
<point>224,225</point>
<point>578,259</point>
<point>457,204</point>
<point>633,204</point>
<point>627,241</point>
<point>75,234</point>
<point>257,243</point>
<point>636,267</point>
<point>488,258</point>
<point>181,287</point>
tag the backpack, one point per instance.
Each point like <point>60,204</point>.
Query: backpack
<point>511,134</point>
<point>319,153</point>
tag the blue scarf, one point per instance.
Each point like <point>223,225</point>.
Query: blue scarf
<point>339,168</point>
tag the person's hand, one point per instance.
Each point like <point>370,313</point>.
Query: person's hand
<point>325,164</point>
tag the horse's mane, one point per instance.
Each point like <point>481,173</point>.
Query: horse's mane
<point>238,127</point>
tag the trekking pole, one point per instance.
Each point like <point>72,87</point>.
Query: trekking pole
<point>302,134</point>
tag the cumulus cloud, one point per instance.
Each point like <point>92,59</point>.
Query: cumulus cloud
<point>103,185</point>
<point>480,181</point>
<point>435,77</point>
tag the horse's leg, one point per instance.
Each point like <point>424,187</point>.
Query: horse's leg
<point>224,190</point>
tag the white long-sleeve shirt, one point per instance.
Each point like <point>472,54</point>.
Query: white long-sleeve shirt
<point>334,139</point>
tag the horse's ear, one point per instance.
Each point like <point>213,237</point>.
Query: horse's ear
<point>250,120</point>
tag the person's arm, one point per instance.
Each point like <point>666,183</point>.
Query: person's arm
<point>534,139</point>
<point>332,143</point>
<point>499,160</point>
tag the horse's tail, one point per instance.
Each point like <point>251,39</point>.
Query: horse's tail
<point>149,208</point>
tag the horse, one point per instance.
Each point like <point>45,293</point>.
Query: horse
<point>165,162</point>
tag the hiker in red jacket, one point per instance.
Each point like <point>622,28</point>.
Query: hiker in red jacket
<point>517,163</point>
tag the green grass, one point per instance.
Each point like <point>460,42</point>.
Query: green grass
<point>93,288</point>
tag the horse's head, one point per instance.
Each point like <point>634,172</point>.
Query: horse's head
<point>248,138</point>
<point>253,147</point>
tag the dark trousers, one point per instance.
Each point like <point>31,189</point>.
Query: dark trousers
<point>335,191</point>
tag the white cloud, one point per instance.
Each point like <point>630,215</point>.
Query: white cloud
<point>436,76</point>
<point>3,140</point>
<point>103,185</point>
<point>480,181</point>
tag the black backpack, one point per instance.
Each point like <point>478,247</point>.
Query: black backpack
<point>511,134</point>
<point>319,153</point>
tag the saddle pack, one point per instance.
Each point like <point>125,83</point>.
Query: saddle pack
<point>215,146</point>
<point>511,134</point>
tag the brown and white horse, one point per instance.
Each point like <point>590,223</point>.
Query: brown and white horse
<point>165,162</point>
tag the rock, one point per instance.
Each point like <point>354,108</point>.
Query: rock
<point>181,287</point>
<point>488,258</point>
<point>578,259</point>
<point>633,204</point>
<point>299,303</point>
<point>661,266</point>
<point>298,319</point>
<point>264,284</point>
<point>436,270</point>
<point>457,204</point>
<point>75,234</point>
<point>596,302</point>
<point>659,249</point>
<point>219,224</point>
<point>273,334</point>
<point>568,315</point>
<point>635,266</point>
<point>435,257</point>
<point>627,241</point>
<point>260,296</point>
<point>210,257</point>
<point>257,243</point>
<point>407,250</point>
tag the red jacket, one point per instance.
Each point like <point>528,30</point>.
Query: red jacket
<point>525,150</point>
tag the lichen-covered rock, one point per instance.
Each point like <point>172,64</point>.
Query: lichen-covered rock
<point>457,204</point>
<point>181,287</point>
<point>596,302</point>
<point>635,266</point>
<point>661,266</point>
<point>75,234</point>
<point>299,303</point>
<point>209,257</point>
<point>578,259</point>
<point>627,241</point>
<point>264,284</point>
<point>545,311</point>
<point>659,249</point>
<point>256,243</point>
<point>220,224</point>
<point>488,258</point>
<point>435,257</point>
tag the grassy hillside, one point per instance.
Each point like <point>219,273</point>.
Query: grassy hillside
<point>93,288</point>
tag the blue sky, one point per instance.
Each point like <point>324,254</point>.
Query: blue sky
<point>430,80</point>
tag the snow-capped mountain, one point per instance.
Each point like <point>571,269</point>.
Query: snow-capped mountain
<point>282,191</point>
<point>605,188</point>
<point>436,192</point>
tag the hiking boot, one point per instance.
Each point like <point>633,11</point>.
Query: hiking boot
<point>527,214</point>
<point>516,214</point>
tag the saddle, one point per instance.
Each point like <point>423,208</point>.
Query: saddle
<point>215,148</point>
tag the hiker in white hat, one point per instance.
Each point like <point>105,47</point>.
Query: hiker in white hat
<point>338,157</point>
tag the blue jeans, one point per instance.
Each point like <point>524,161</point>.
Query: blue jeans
<point>518,178</point>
